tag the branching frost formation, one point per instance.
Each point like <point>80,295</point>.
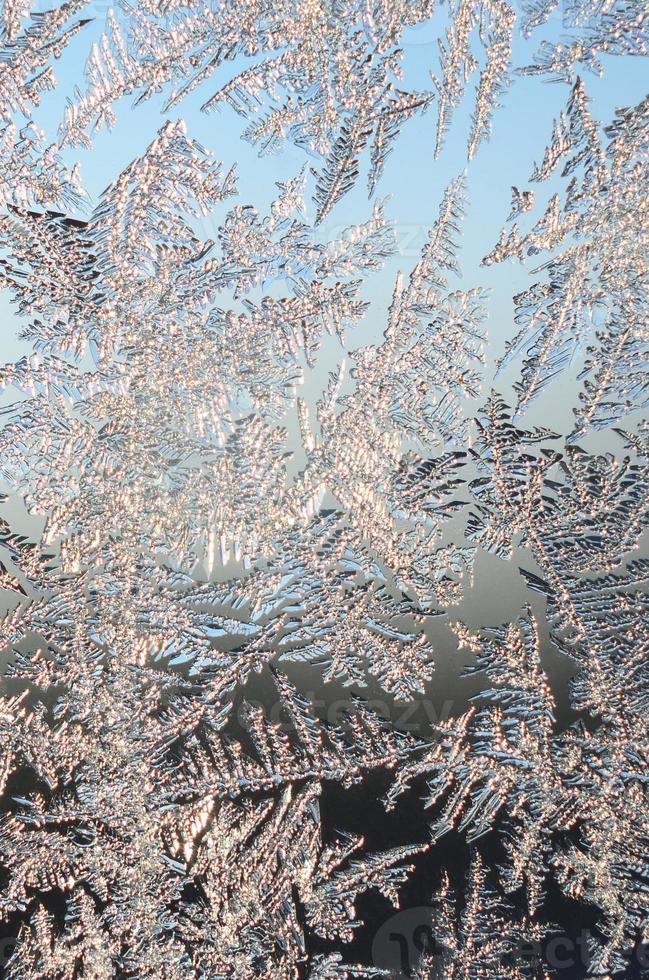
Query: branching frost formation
<point>200,521</point>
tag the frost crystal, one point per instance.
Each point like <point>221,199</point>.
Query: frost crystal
<point>222,497</point>
<point>597,277</point>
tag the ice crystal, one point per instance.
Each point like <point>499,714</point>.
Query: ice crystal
<point>495,20</point>
<point>329,80</point>
<point>590,30</point>
<point>194,509</point>
<point>506,761</point>
<point>478,940</point>
<point>596,279</point>
<point>30,171</point>
<point>135,660</point>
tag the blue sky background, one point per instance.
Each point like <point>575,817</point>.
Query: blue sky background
<point>413,181</point>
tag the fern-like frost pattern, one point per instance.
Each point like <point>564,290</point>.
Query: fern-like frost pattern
<point>206,515</point>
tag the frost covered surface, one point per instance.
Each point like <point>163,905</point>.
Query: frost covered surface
<point>185,520</point>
